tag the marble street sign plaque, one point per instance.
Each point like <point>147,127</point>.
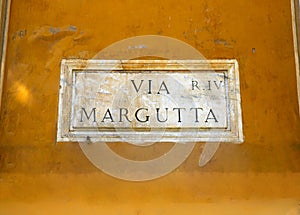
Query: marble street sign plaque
<point>150,101</point>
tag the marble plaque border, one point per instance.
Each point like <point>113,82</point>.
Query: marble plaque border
<point>233,134</point>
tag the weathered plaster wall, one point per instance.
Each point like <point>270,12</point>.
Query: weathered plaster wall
<point>38,176</point>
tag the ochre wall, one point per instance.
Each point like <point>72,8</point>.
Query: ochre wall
<point>260,176</point>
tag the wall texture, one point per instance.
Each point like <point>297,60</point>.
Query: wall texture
<point>40,176</point>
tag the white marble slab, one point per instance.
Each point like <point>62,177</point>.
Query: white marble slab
<point>150,101</point>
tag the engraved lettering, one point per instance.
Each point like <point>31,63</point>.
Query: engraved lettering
<point>163,89</point>
<point>213,116</point>
<point>93,112</point>
<point>157,115</point>
<point>137,89</point>
<point>196,113</point>
<point>179,113</point>
<point>107,115</point>
<point>218,85</point>
<point>124,114</point>
<point>195,84</point>
<point>136,115</point>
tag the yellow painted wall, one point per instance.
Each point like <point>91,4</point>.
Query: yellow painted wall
<point>261,176</point>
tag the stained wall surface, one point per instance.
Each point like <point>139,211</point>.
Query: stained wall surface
<point>260,176</point>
